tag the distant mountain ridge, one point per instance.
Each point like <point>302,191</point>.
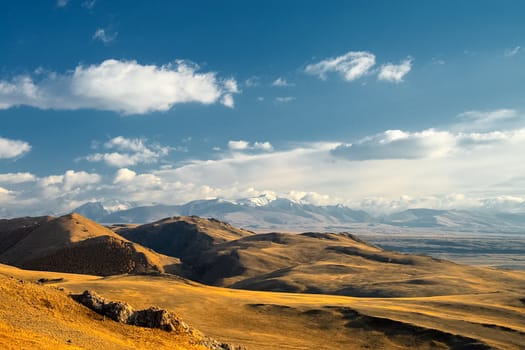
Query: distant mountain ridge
<point>266,213</point>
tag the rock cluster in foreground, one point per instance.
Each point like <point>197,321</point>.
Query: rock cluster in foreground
<point>152,317</point>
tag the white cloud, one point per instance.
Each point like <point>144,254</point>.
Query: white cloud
<point>227,100</point>
<point>284,99</point>
<point>51,180</point>
<point>429,144</point>
<point>130,181</point>
<point>129,151</point>
<point>122,86</point>
<point>281,82</point>
<point>399,169</point>
<point>70,180</point>
<point>62,3</point>
<point>265,146</point>
<point>16,178</point>
<point>73,179</point>
<point>486,120</point>
<point>512,52</point>
<point>12,148</point>
<point>313,198</point>
<point>124,175</point>
<point>395,72</point>
<point>6,195</point>
<point>242,145</point>
<point>230,85</point>
<point>350,66</point>
<point>398,144</point>
<point>104,36</point>
<point>238,145</point>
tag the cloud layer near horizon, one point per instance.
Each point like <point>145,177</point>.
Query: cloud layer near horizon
<point>126,87</point>
<point>454,167</point>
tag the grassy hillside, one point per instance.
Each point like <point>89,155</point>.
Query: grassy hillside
<point>217,254</point>
<point>268,320</point>
<point>72,243</point>
<point>34,316</point>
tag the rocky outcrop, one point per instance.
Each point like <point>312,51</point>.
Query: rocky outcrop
<point>117,311</point>
<point>152,317</point>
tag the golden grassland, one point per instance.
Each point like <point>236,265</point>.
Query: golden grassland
<point>258,320</point>
<point>33,316</point>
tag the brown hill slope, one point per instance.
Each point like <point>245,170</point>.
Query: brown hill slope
<point>14,230</point>
<point>72,243</point>
<point>270,320</point>
<point>33,316</point>
<point>185,237</point>
<point>309,263</point>
<point>340,264</point>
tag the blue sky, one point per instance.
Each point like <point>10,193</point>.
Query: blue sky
<point>380,105</point>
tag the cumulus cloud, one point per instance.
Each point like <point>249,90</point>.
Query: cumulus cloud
<point>131,182</point>
<point>105,36</point>
<point>350,66</point>
<point>265,146</point>
<point>122,86</point>
<point>71,179</point>
<point>6,195</point>
<point>430,143</point>
<point>313,198</point>
<point>435,168</point>
<point>281,82</point>
<point>16,178</point>
<point>395,72</point>
<point>12,148</point>
<point>124,175</point>
<point>129,151</point>
<point>238,145</point>
<point>52,194</point>
<point>228,101</point>
<point>242,145</point>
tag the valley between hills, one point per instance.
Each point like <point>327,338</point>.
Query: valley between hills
<point>237,289</point>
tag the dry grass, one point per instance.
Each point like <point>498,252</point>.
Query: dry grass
<point>72,243</point>
<point>397,301</point>
<point>268,320</point>
<point>41,317</point>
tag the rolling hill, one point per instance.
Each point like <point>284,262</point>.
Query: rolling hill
<point>36,316</point>
<point>72,243</point>
<point>353,295</point>
<point>218,254</point>
<point>269,320</point>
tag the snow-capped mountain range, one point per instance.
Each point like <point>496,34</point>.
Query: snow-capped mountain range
<point>268,213</point>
